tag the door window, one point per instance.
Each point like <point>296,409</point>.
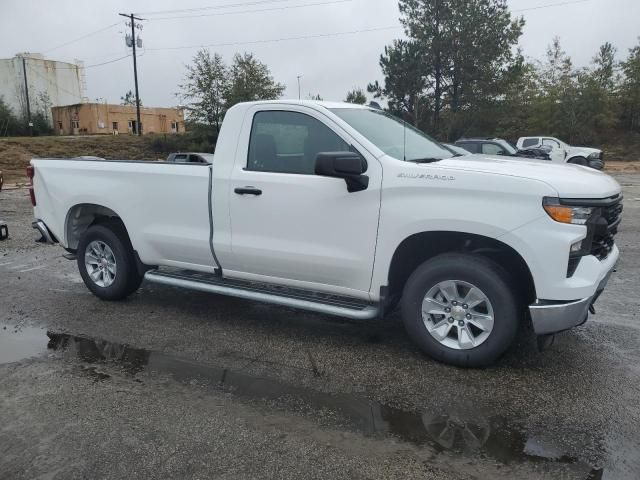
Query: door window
<point>529,142</point>
<point>288,142</point>
<point>492,149</point>
<point>548,141</point>
<point>470,147</point>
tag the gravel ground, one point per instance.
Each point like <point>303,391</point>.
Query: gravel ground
<point>179,384</point>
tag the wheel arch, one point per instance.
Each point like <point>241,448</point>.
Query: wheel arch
<point>82,216</point>
<point>420,247</point>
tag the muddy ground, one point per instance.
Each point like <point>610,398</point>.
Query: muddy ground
<point>179,384</point>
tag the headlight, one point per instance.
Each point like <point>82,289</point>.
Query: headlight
<point>565,213</point>
<point>594,156</point>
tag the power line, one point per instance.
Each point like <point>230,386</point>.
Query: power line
<point>274,40</point>
<point>107,63</point>
<point>286,7</point>
<point>212,7</point>
<point>96,64</point>
<point>549,5</point>
<point>80,38</point>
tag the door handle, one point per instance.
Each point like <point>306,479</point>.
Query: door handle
<point>248,191</point>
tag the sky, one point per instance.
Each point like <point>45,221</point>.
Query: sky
<point>329,63</point>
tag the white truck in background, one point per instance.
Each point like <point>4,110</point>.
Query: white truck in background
<point>561,152</point>
<point>346,210</point>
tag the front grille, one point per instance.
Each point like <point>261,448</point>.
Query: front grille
<point>606,229</point>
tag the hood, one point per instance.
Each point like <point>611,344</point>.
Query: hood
<point>582,151</point>
<point>568,180</point>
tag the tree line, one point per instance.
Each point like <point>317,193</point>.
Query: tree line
<point>459,72</point>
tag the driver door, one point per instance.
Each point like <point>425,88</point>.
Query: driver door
<point>290,226</point>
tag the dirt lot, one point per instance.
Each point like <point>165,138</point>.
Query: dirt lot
<point>179,384</point>
<point>15,153</point>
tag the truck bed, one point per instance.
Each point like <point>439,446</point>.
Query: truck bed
<point>165,205</point>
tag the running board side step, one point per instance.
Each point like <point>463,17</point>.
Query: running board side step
<point>310,301</point>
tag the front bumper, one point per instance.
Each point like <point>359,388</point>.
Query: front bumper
<point>553,316</point>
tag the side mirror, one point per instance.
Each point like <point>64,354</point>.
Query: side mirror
<point>347,165</point>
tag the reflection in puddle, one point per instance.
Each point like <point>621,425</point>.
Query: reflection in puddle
<point>466,432</point>
<point>19,343</point>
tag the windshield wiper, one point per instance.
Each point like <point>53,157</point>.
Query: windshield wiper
<point>425,160</point>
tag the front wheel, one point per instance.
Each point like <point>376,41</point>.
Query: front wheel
<point>106,262</point>
<point>579,161</point>
<point>460,310</point>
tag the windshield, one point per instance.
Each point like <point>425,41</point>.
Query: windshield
<point>508,147</point>
<point>394,137</point>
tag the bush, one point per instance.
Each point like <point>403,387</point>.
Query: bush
<point>198,139</point>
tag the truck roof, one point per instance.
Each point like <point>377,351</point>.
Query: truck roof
<point>318,103</point>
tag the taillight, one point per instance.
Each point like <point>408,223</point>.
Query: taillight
<point>31,171</point>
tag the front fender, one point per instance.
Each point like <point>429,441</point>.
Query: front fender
<point>472,202</point>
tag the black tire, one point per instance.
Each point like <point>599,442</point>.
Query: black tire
<point>479,271</point>
<point>127,279</point>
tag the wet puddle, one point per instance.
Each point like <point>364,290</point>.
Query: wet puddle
<point>462,433</point>
<point>19,342</point>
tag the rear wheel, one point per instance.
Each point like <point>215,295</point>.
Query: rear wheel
<point>106,262</point>
<point>460,310</point>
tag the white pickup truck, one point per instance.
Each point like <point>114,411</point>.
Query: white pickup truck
<point>346,210</point>
<point>563,153</point>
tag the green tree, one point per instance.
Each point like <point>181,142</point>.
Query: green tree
<point>206,88</point>
<point>598,106</point>
<point>404,83</point>
<point>465,48</point>
<point>251,80</point>
<point>553,109</point>
<point>41,114</point>
<point>509,116</point>
<point>356,96</point>
<point>630,89</point>
<point>129,99</point>
<point>9,122</point>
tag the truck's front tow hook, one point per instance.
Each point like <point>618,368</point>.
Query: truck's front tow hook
<point>545,341</point>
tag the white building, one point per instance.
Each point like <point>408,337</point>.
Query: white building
<point>50,83</point>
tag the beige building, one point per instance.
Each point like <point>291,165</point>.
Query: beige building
<point>102,118</point>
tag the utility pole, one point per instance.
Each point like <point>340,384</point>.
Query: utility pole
<point>299,96</point>
<point>26,95</point>
<point>132,19</point>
